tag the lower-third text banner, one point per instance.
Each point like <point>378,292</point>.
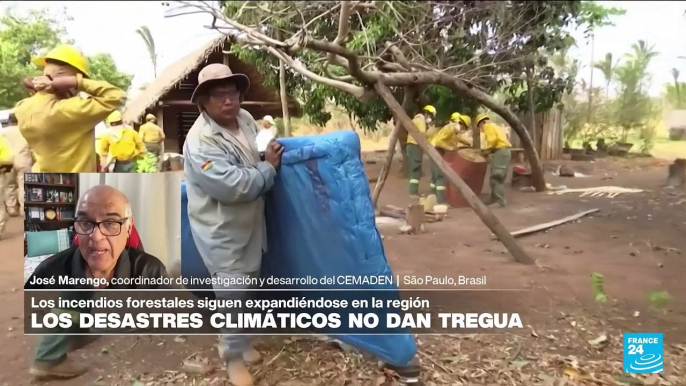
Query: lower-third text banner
<point>257,312</point>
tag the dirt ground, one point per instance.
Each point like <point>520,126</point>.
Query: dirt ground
<point>636,242</point>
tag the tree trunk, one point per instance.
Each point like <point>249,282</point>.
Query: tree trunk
<point>514,122</point>
<point>590,82</point>
<point>532,105</point>
<point>476,137</point>
<point>481,210</point>
<point>284,99</point>
<point>284,96</point>
<point>408,96</point>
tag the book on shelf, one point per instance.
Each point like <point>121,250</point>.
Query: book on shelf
<point>49,178</point>
<point>38,214</point>
<point>46,195</point>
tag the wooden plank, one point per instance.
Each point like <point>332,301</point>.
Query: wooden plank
<point>548,225</point>
<point>391,214</point>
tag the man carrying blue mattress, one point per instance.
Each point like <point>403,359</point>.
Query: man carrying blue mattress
<point>226,183</point>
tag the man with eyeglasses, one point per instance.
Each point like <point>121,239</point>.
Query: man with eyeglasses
<point>104,221</point>
<point>226,181</point>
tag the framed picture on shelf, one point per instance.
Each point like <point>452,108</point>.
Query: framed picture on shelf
<point>36,195</point>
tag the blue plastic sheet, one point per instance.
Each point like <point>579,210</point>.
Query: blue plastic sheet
<point>321,223</point>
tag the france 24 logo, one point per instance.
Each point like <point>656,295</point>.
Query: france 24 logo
<point>643,353</point>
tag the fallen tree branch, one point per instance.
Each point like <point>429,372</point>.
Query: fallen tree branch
<point>481,210</point>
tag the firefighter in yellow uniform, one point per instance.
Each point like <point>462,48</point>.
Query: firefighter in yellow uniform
<point>6,164</point>
<point>152,135</point>
<point>465,136</point>
<point>58,120</point>
<point>120,146</point>
<point>413,152</point>
<point>498,147</point>
<point>449,138</point>
<point>14,196</point>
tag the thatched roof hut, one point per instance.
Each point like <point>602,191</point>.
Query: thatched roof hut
<point>168,96</point>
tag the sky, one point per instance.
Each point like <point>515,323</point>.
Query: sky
<point>108,26</point>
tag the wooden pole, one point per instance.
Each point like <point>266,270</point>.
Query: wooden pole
<point>532,107</point>
<point>160,122</point>
<point>408,96</point>
<point>283,95</point>
<point>386,168</point>
<point>284,99</point>
<point>481,210</point>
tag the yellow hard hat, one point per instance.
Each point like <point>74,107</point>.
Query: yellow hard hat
<point>430,109</point>
<point>150,117</point>
<point>455,117</point>
<point>481,117</point>
<point>115,116</point>
<point>466,120</point>
<point>66,54</point>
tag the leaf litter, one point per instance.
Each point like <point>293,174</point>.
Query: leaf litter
<point>567,356</point>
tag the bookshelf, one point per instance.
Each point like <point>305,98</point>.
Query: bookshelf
<point>50,200</point>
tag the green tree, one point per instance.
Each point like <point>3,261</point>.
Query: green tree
<point>675,76</point>
<point>594,16</point>
<point>472,48</point>
<point>457,42</point>
<point>607,67</point>
<point>673,92</point>
<point>21,38</point>
<point>102,67</point>
<point>487,46</point>
<point>634,107</point>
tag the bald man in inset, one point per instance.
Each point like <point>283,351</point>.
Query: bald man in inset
<point>104,221</point>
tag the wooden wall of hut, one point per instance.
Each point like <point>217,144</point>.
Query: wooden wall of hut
<point>548,136</point>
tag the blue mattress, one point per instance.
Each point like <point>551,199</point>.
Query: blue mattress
<point>321,223</point>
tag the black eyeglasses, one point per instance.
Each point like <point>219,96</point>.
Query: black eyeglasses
<point>107,228</point>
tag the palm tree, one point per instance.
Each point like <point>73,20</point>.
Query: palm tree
<point>144,33</point>
<point>607,68</point>
<point>675,75</point>
<point>641,56</point>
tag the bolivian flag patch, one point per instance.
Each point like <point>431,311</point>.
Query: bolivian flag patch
<point>207,165</point>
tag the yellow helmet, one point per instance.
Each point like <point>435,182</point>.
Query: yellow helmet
<point>466,120</point>
<point>481,117</point>
<point>455,117</point>
<point>115,116</point>
<point>66,54</point>
<point>150,117</point>
<point>430,109</point>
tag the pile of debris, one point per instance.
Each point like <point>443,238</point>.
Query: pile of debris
<point>416,215</point>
